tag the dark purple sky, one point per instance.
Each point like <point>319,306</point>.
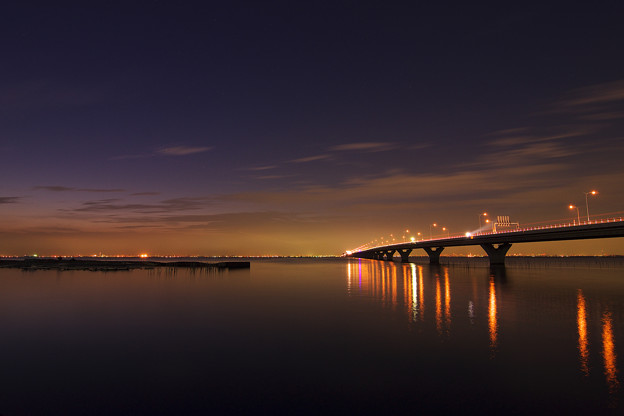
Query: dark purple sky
<point>302,128</point>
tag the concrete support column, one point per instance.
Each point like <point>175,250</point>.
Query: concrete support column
<point>434,254</point>
<point>389,254</point>
<point>496,254</point>
<point>405,254</point>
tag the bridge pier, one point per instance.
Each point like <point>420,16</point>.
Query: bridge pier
<point>405,254</point>
<point>389,254</point>
<point>434,254</point>
<point>496,254</point>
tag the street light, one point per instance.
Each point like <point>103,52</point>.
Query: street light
<point>578,216</point>
<point>431,225</point>
<point>448,233</point>
<point>587,203</point>
<point>481,215</point>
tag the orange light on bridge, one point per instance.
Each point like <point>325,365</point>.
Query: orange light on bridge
<point>587,203</point>
<point>143,256</point>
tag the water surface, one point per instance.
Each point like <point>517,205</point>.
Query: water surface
<point>319,335</point>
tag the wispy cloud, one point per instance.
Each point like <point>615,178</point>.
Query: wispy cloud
<point>310,159</point>
<point>70,189</point>
<point>364,146</point>
<point>530,139</point>
<point>165,206</point>
<point>271,176</point>
<point>594,103</point>
<point>182,150</point>
<point>9,199</point>
<point>596,94</point>
<point>167,151</point>
<point>145,193</point>
<point>396,188</point>
<point>260,168</point>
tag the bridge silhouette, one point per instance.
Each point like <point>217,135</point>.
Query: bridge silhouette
<point>497,244</point>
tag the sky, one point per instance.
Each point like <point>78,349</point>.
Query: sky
<point>303,128</point>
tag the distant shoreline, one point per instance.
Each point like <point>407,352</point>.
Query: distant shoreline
<point>112,265</point>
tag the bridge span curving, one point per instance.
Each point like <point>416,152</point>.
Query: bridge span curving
<point>497,244</point>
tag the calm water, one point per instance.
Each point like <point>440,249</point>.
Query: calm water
<point>315,336</point>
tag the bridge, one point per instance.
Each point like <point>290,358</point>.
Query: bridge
<point>497,244</point>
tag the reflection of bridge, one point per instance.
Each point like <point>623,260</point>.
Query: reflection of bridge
<point>496,245</point>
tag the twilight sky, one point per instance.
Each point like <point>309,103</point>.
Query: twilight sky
<point>214,128</point>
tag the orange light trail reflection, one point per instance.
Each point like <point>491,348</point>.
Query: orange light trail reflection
<point>438,303</point>
<point>608,353</point>
<point>581,323</point>
<point>447,299</point>
<point>492,320</point>
<point>360,273</point>
<point>411,292</point>
<point>394,283</point>
<point>421,292</point>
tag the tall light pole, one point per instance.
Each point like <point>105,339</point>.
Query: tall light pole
<point>481,215</point>
<point>578,216</point>
<point>587,203</point>
<point>431,225</point>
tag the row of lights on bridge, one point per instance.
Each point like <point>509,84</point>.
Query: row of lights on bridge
<point>481,221</point>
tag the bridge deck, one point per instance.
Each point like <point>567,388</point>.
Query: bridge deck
<point>604,229</point>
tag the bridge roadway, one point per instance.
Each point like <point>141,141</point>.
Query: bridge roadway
<point>496,245</point>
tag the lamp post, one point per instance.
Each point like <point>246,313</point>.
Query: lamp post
<point>431,225</point>
<point>587,203</point>
<point>448,233</point>
<point>481,215</point>
<point>578,216</point>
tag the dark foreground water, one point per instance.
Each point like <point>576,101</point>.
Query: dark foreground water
<point>315,337</point>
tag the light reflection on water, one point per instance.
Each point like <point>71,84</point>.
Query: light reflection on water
<point>492,320</point>
<point>608,353</point>
<point>335,336</point>
<point>583,346</point>
<point>385,277</point>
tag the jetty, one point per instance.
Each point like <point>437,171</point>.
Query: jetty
<point>113,265</point>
